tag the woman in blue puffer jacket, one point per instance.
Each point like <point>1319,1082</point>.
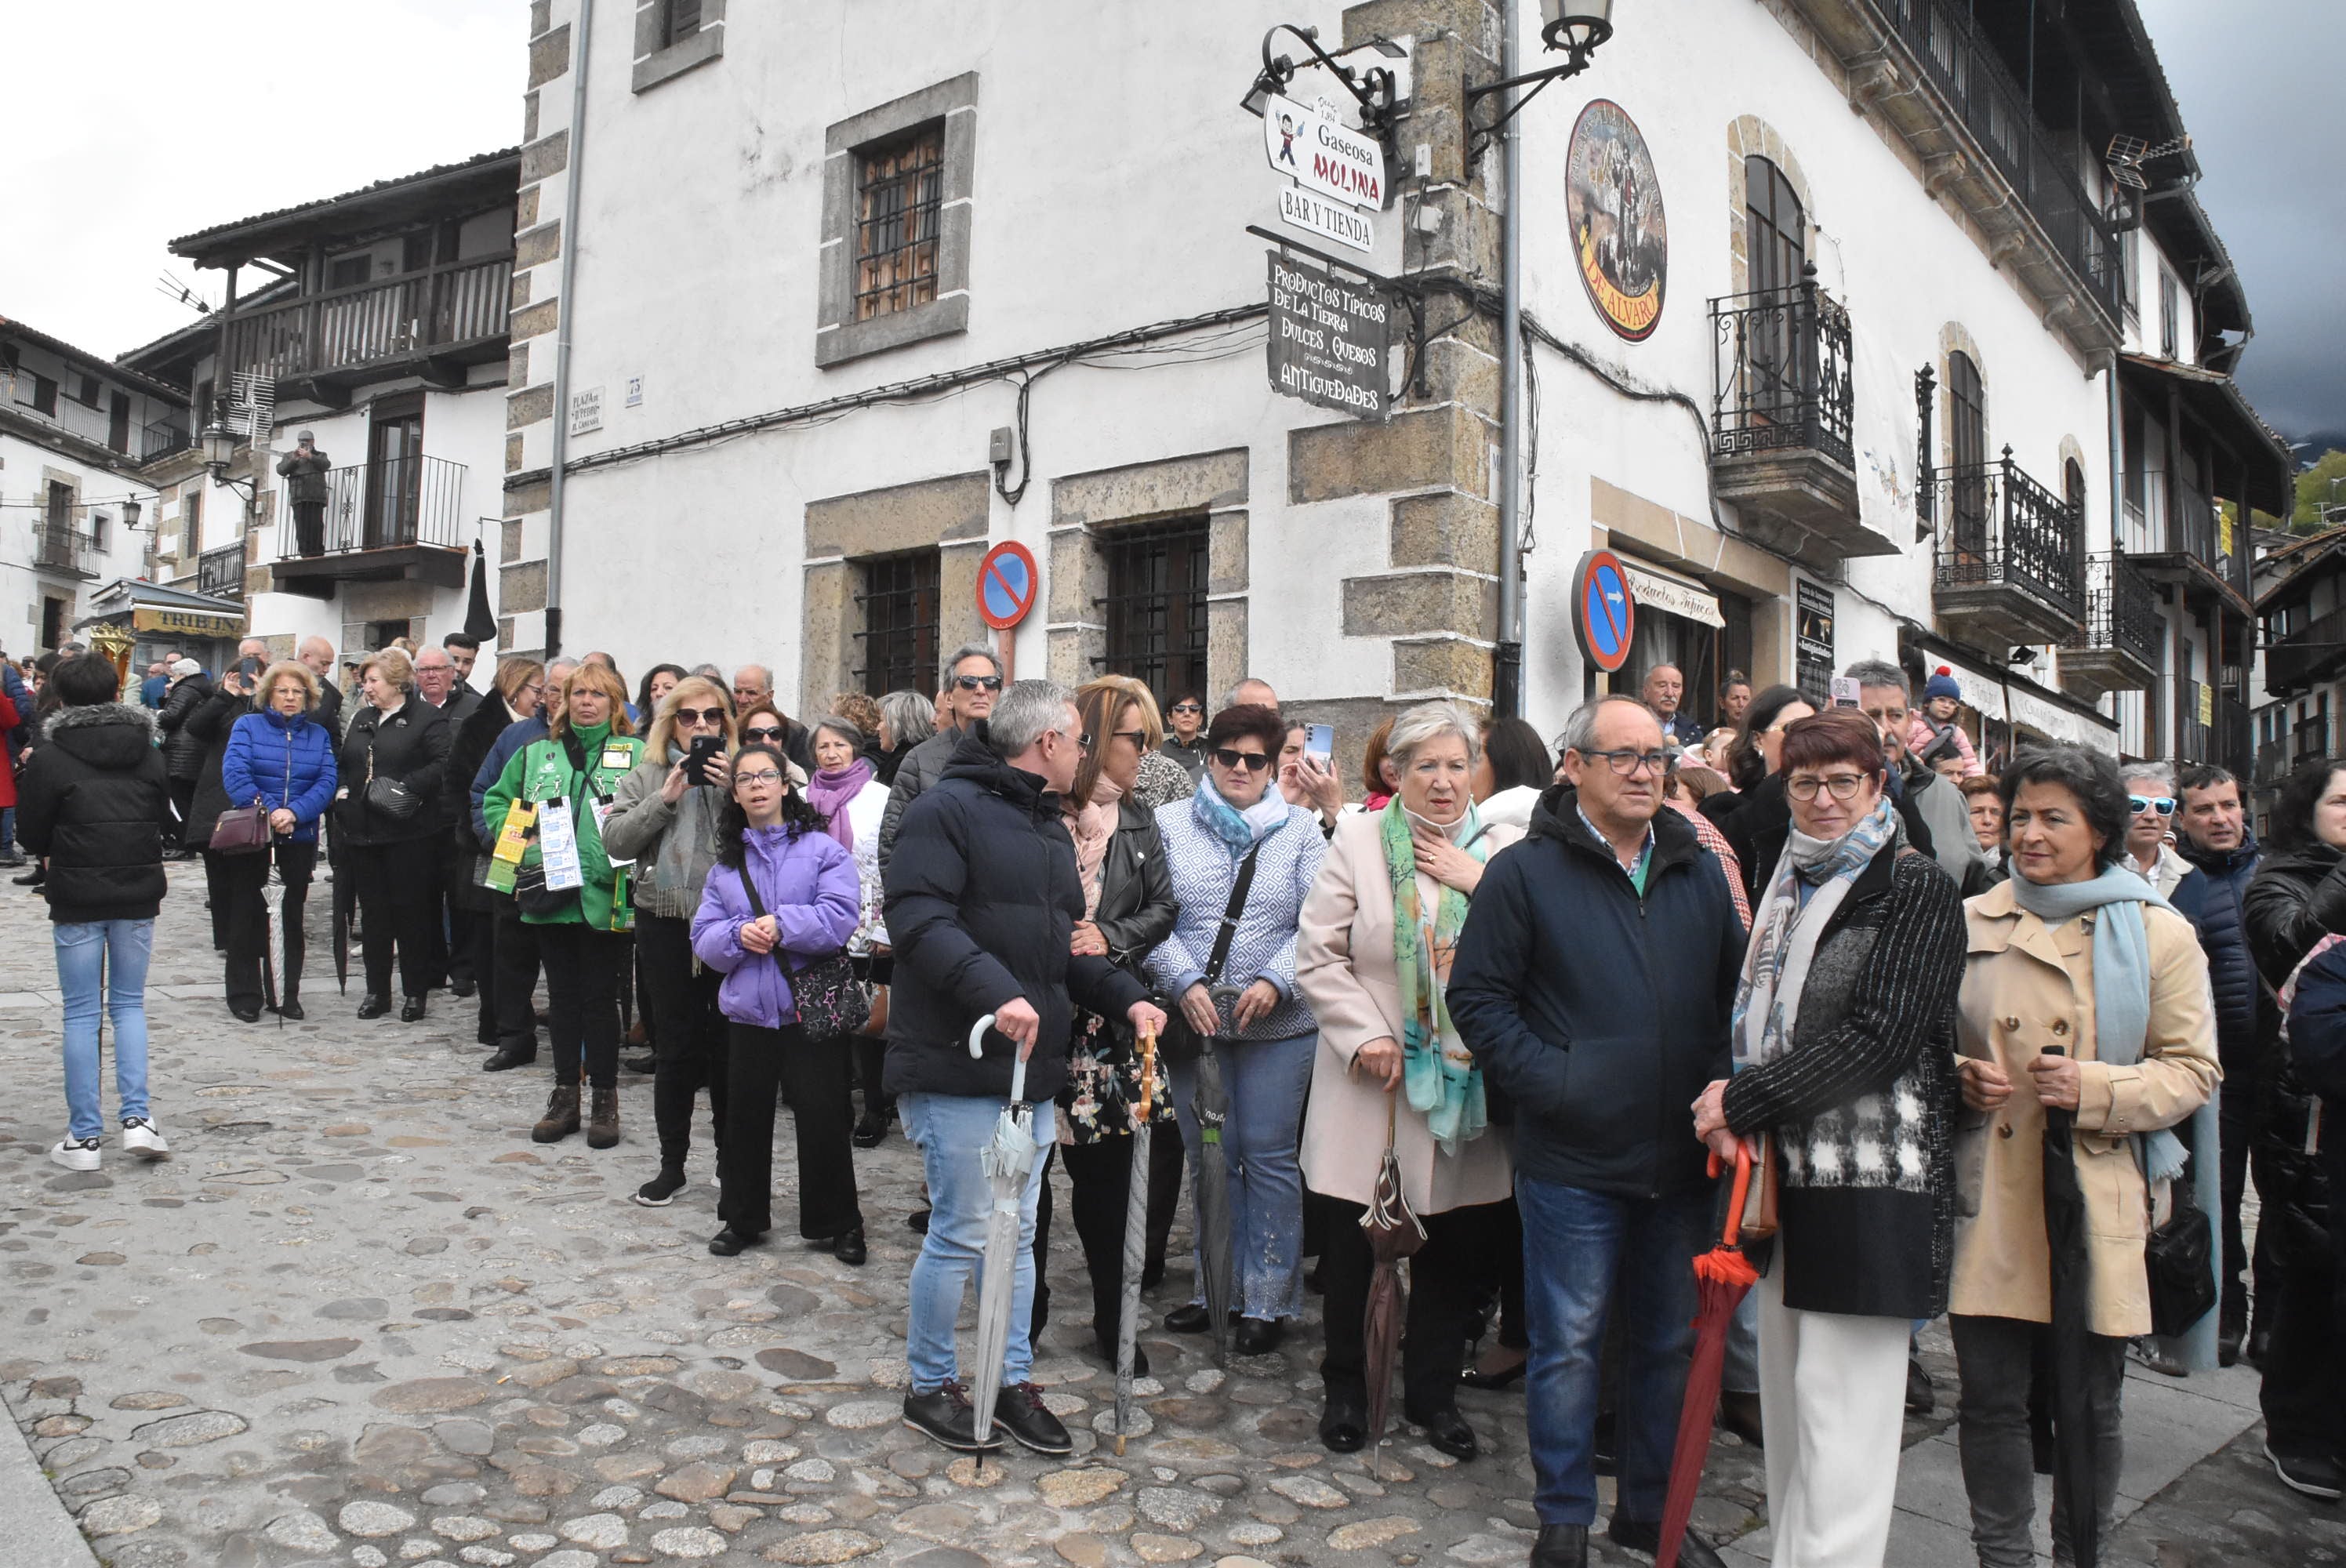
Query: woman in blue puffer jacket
<point>782,896</point>
<point>282,759</point>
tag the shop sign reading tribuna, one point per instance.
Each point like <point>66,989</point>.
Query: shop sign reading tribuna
<point>1328,339</point>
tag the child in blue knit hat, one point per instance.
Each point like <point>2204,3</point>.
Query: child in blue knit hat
<point>1933,728</point>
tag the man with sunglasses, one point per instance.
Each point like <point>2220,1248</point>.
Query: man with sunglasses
<point>2151,804</point>
<point>1594,982</point>
<point>972,680</point>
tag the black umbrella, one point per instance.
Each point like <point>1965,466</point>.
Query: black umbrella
<point>480,621</point>
<point>2075,1479</point>
<point>345,897</point>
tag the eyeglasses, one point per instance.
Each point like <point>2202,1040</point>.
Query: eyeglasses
<point>1083,740</point>
<point>1627,762</point>
<point>761,733</point>
<point>1231,757</point>
<point>2162,804</point>
<point>1843,785</point>
<point>757,776</point>
<point>1138,737</point>
<point>978,682</point>
<point>1184,707</point>
<point>700,715</point>
<point>534,688</point>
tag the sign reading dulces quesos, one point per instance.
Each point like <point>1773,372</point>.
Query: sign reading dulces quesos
<point>1328,339</point>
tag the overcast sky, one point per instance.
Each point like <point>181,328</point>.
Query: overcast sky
<point>152,118</point>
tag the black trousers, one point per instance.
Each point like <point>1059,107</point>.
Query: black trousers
<point>514,971</point>
<point>2245,1070</point>
<point>691,1034</point>
<point>216,896</point>
<point>1099,1186</point>
<point>871,1052</point>
<point>248,926</point>
<point>395,884</point>
<point>582,1000</point>
<point>480,958</point>
<point>183,795</point>
<point>1500,1272</point>
<point>452,923</point>
<point>1440,1294</point>
<point>2304,1389</point>
<point>310,527</point>
<point>759,1061</point>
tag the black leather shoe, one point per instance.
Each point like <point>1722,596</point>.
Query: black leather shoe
<point>1473,1377</point>
<point>291,1008</point>
<point>849,1248</point>
<point>410,1010</point>
<point>944,1413</point>
<point>869,1131</point>
<point>375,1006</point>
<point>1561,1546</point>
<point>1343,1422</point>
<point>1106,1345</point>
<point>645,1063</point>
<point>1446,1431</point>
<point>245,1012</point>
<point>2228,1350</point>
<point>729,1242</point>
<point>508,1057</point>
<point>1019,1410</point>
<point>462,987</point>
<point>1256,1336</point>
<point>1643,1536</point>
<point>1189,1319</point>
<point>917,1222</point>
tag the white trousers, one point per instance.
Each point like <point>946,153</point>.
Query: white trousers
<point>1832,1406</point>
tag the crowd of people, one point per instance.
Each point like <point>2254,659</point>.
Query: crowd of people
<point>1504,987</point>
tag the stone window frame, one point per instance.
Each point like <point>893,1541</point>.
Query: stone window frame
<point>1747,136</point>
<point>951,515</point>
<point>837,338</point>
<point>657,63</point>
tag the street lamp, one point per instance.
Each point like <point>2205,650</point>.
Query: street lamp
<point>130,513</point>
<point>220,448</point>
<point>1574,26</point>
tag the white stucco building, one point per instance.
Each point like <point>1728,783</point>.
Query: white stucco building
<point>984,275</point>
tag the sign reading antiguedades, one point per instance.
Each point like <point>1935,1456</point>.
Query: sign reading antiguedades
<point>1328,339</point>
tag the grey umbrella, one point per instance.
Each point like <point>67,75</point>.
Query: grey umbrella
<point>1209,1101</point>
<point>1008,1161</point>
<point>1136,1242</point>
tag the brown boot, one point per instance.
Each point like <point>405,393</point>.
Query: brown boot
<point>561,1118</point>
<point>602,1120</point>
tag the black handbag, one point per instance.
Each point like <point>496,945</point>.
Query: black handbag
<point>2179,1257</point>
<point>1177,1042</point>
<point>830,1001</point>
<point>390,797</point>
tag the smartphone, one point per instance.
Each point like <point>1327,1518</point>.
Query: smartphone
<point>1319,744</point>
<point>248,667</point>
<point>696,758</point>
<point>1845,692</point>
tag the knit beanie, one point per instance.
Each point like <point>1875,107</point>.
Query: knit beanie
<point>1941,683</point>
<point>187,666</point>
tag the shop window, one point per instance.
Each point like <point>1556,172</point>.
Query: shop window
<point>900,622</point>
<point>1156,605</point>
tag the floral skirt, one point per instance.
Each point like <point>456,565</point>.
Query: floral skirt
<point>1102,1099</point>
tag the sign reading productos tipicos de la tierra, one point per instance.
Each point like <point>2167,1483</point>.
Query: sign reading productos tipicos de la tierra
<point>1329,338</point>
<point>1613,203</point>
<point>1322,154</point>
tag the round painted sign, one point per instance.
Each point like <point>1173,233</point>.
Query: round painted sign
<point>1006,584</point>
<point>1604,616</point>
<point>1613,205</point>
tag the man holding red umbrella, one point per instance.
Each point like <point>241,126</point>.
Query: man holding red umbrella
<point>1593,980</point>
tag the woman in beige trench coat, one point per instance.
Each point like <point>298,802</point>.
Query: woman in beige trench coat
<point>2049,966</point>
<point>1374,975</point>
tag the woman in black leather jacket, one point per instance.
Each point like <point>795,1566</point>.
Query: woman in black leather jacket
<point>395,736</point>
<point>1129,900</point>
<point>2299,895</point>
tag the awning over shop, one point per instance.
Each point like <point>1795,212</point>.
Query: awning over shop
<point>1672,595</point>
<point>2014,699</point>
<point>2063,724</point>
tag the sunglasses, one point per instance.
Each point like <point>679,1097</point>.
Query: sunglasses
<point>2162,804</point>
<point>761,733</point>
<point>702,715</point>
<point>1187,707</point>
<point>1231,757</point>
<point>978,682</point>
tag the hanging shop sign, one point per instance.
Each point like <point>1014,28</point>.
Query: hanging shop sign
<point>1613,204</point>
<point>1604,610</point>
<point>185,623</point>
<point>1329,219</point>
<point>1812,620</point>
<point>1322,154</point>
<point>1329,338</point>
<point>1006,584</point>
<point>1673,596</point>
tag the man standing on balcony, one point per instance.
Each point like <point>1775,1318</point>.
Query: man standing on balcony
<point>304,472</point>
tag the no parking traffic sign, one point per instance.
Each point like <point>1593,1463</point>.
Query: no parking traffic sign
<point>1006,584</point>
<point>1604,616</point>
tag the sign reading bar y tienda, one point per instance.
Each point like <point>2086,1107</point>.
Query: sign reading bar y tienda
<point>1328,337</point>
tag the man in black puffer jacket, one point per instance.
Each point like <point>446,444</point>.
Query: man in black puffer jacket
<point>983,898</point>
<point>96,801</point>
<point>183,749</point>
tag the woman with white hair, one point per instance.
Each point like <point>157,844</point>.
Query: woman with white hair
<point>1373,958</point>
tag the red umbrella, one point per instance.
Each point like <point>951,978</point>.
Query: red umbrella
<point>1721,1277</point>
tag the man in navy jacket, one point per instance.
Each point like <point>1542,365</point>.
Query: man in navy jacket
<point>1594,982</point>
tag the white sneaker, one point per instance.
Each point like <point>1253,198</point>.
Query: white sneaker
<point>143,1138</point>
<point>75,1154</point>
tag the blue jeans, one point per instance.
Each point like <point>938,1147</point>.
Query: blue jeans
<point>8,821</point>
<point>950,1130</point>
<point>124,946</point>
<point>1577,1245</point>
<point>1266,1080</point>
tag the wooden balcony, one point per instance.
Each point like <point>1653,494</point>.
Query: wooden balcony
<point>398,519</point>
<point>432,322</point>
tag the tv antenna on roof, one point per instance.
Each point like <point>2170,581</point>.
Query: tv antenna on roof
<point>170,288</point>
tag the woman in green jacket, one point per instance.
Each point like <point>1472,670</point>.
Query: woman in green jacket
<point>576,900</point>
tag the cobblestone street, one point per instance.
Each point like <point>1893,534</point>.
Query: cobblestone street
<point>359,1318</point>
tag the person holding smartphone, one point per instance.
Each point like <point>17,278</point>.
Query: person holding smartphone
<point>664,818</point>
<point>1306,773</point>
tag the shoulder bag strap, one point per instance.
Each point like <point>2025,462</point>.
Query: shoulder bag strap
<point>1230,926</point>
<point>757,911</point>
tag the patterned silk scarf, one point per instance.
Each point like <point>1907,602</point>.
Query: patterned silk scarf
<point>1438,1072</point>
<point>1785,930</point>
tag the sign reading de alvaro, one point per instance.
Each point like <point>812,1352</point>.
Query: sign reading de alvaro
<point>1328,339</point>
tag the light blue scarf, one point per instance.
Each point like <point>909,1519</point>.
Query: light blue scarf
<point>1239,829</point>
<point>2121,1027</point>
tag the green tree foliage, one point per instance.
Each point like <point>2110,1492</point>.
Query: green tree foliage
<point>2316,494</point>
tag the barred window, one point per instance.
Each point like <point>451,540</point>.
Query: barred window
<point>900,197</point>
<point>900,622</point>
<point>1156,605</point>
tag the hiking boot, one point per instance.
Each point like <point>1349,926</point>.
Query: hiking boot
<point>602,1119</point>
<point>561,1118</point>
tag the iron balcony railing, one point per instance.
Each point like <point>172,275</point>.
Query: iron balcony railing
<point>165,436</point>
<point>2235,734</point>
<point>60,547</point>
<point>1963,66</point>
<point>2310,740</point>
<point>220,573</point>
<point>382,505</point>
<point>2306,654</point>
<point>2000,527</point>
<point>1780,372</point>
<point>2121,609</point>
<point>438,306</point>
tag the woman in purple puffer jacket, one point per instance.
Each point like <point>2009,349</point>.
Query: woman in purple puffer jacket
<point>783,895</point>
